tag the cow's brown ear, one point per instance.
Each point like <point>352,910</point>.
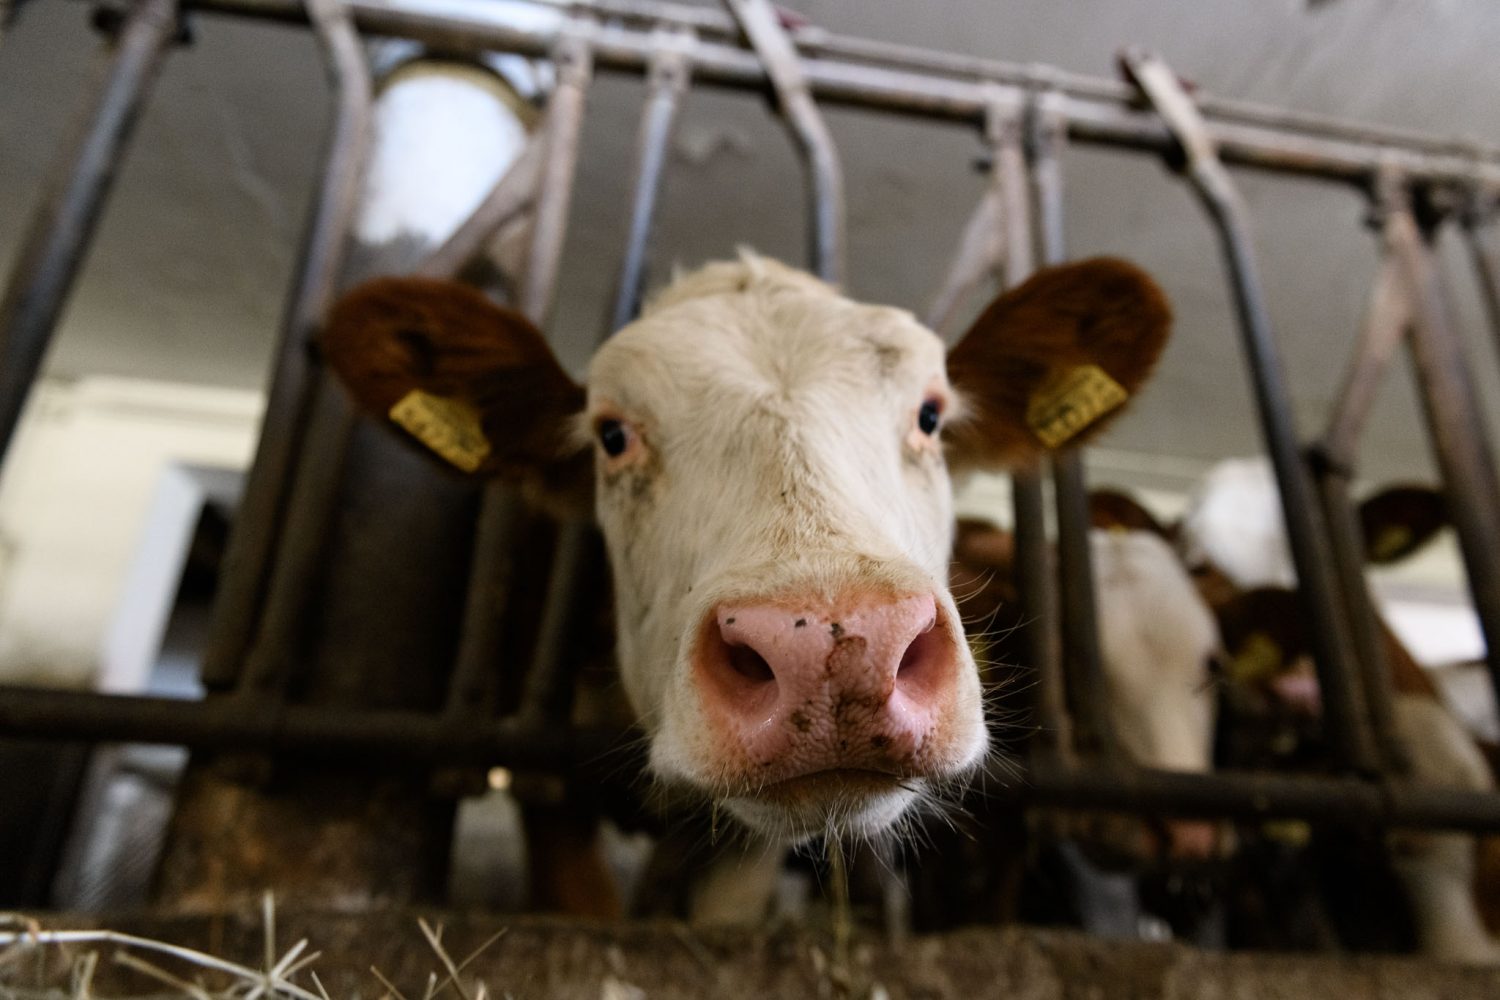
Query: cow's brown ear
<point>1050,362</point>
<point>472,382</point>
<point>1400,520</point>
<point>1116,509</point>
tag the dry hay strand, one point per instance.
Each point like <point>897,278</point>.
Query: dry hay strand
<point>42,964</point>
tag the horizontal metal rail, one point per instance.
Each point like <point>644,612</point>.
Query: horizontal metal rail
<point>417,737</point>
<point>813,40</point>
<point>1351,155</point>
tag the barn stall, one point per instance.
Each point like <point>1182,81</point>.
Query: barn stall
<point>326,769</point>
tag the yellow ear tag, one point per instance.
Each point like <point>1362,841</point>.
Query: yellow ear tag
<point>1257,659</point>
<point>450,427</point>
<point>1393,538</point>
<point>1069,400</point>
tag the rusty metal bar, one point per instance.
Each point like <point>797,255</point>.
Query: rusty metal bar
<point>64,222</point>
<point>252,543</point>
<point>397,736</point>
<point>666,81</point>
<point>825,176</point>
<point>923,94</point>
<point>1343,693</point>
<point>1082,660</point>
<point>1455,424</point>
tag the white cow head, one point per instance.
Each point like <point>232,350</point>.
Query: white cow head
<point>771,474</point>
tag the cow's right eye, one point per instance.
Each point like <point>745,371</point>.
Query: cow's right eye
<point>613,437</point>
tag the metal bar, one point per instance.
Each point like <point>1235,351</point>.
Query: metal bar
<point>549,681</point>
<point>225,724</point>
<point>666,81</point>
<point>512,195</point>
<point>1255,796</point>
<point>813,40</point>
<point>472,690</point>
<point>247,561</point>
<point>549,189</point>
<point>1347,547</point>
<point>36,713</point>
<point>1333,463</point>
<point>1479,233</point>
<point>1455,424</point>
<point>564,120</point>
<point>825,176</point>
<point>1343,694</point>
<point>1082,660</point>
<point>300,551</point>
<point>1386,321</point>
<point>832,81</point>
<point>60,230</point>
<point>1035,576</point>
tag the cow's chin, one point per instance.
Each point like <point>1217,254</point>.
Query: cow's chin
<point>843,803</point>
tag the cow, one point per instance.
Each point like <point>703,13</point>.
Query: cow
<point>1158,647</point>
<point>1231,536</point>
<point>771,467</point>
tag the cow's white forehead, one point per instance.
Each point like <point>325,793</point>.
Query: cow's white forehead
<point>755,327</point>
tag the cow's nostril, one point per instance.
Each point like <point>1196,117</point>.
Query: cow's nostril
<point>750,665</point>
<point>921,668</point>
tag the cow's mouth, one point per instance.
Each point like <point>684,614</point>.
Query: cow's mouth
<point>831,785</point>
<point>832,801</point>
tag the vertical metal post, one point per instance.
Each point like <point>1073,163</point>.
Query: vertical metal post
<point>825,176</point>
<point>574,64</point>
<point>1035,578</point>
<point>543,177</point>
<point>1082,661</point>
<point>1456,426</point>
<point>548,681</point>
<point>247,562</point>
<point>1479,232</point>
<point>54,246</point>
<point>666,80</point>
<point>1321,605</point>
<point>1333,462</point>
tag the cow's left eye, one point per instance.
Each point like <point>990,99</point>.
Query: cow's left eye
<point>613,437</point>
<point>929,417</point>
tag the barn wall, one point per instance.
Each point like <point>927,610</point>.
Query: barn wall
<point>74,500</point>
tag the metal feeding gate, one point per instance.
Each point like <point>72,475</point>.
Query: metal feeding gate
<point>275,691</point>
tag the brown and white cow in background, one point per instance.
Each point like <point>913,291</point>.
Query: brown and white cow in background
<point>771,472</point>
<point>1158,642</point>
<point>1232,536</point>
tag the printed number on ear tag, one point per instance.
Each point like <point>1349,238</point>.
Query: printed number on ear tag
<point>449,427</point>
<point>1069,400</point>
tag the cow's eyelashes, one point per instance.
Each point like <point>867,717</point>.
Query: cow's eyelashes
<point>614,438</point>
<point>930,417</point>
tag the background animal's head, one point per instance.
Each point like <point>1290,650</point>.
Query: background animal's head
<point>771,472</point>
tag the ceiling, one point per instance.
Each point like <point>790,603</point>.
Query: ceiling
<point>186,279</point>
